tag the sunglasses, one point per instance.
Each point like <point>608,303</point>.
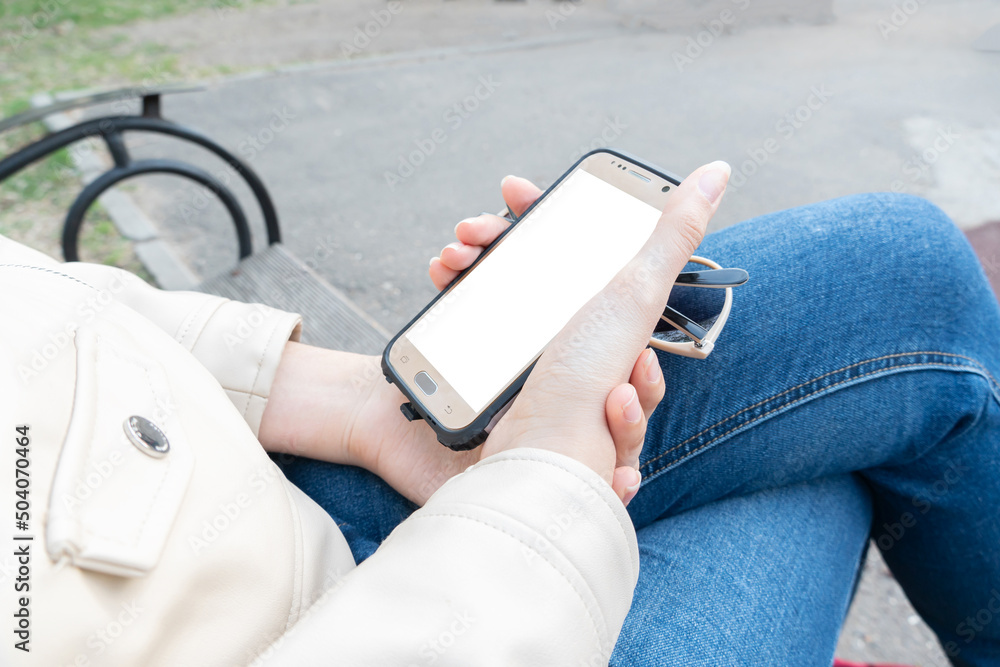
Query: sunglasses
<point>700,340</point>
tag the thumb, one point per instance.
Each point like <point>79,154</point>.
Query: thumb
<point>649,277</point>
<point>614,326</point>
<point>562,404</point>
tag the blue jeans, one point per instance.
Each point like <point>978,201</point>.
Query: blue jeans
<point>852,395</point>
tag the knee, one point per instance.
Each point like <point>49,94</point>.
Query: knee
<point>905,235</point>
<point>915,226</point>
<point>912,246</point>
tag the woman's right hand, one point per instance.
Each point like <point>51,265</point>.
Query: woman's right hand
<point>563,403</point>
<point>644,385</point>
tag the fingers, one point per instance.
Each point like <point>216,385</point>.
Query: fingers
<point>629,406</point>
<point>481,230</point>
<point>474,234</point>
<point>625,482</point>
<point>647,385</point>
<point>647,378</point>
<point>627,424</point>
<point>440,274</point>
<point>518,193</point>
<point>458,256</point>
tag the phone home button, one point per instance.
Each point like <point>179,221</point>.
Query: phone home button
<point>426,384</point>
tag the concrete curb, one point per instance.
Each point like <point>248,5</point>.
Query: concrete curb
<point>167,268</point>
<point>415,56</point>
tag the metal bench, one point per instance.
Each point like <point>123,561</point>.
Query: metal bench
<point>273,276</point>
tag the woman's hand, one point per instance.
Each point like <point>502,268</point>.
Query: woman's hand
<point>336,406</point>
<point>629,405</point>
<point>560,406</point>
<point>474,234</point>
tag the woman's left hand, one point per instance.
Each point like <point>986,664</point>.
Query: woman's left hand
<point>336,406</point>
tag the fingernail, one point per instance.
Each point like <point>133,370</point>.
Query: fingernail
<point>631,491</point>
<point>652,369</point>
<point>713,180</point>
<point>432,261</point>
<point>632,410</point>
<point>464,220</point>
<point>504,179</point>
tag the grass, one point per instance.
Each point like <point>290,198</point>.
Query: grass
<point>57,45</point>
<point>98,13</point>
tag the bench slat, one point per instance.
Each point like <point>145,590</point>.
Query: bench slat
<point>275,277</point>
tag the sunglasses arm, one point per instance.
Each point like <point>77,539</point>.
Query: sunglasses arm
<point>702,342</point>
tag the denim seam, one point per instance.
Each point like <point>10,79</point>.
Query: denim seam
<point>816,379</point>
<point>978,369</point>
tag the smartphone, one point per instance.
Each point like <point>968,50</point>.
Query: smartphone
<point>463,358</point>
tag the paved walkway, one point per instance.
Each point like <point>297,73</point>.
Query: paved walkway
<point>373,156</point>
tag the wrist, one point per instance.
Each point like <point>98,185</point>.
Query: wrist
<point>315,401</point>
<point>587,443</point>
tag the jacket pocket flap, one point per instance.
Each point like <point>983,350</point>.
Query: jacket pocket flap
<point>115,496</point>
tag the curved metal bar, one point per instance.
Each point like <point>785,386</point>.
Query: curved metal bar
<point>101,127</point>
<point>74,219</point>
<point>133,93</point>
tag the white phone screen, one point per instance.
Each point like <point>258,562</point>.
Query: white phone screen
<point>504,312</point>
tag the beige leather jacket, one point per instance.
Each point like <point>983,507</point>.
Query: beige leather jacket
<point>207,555</point>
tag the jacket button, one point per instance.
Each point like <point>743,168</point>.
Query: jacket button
<point>146,436</point>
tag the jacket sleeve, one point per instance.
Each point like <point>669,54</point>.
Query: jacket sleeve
<point>526,558</point>
<point>239,343</point>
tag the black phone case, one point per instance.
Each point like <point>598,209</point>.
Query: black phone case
<point>476,433</point>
